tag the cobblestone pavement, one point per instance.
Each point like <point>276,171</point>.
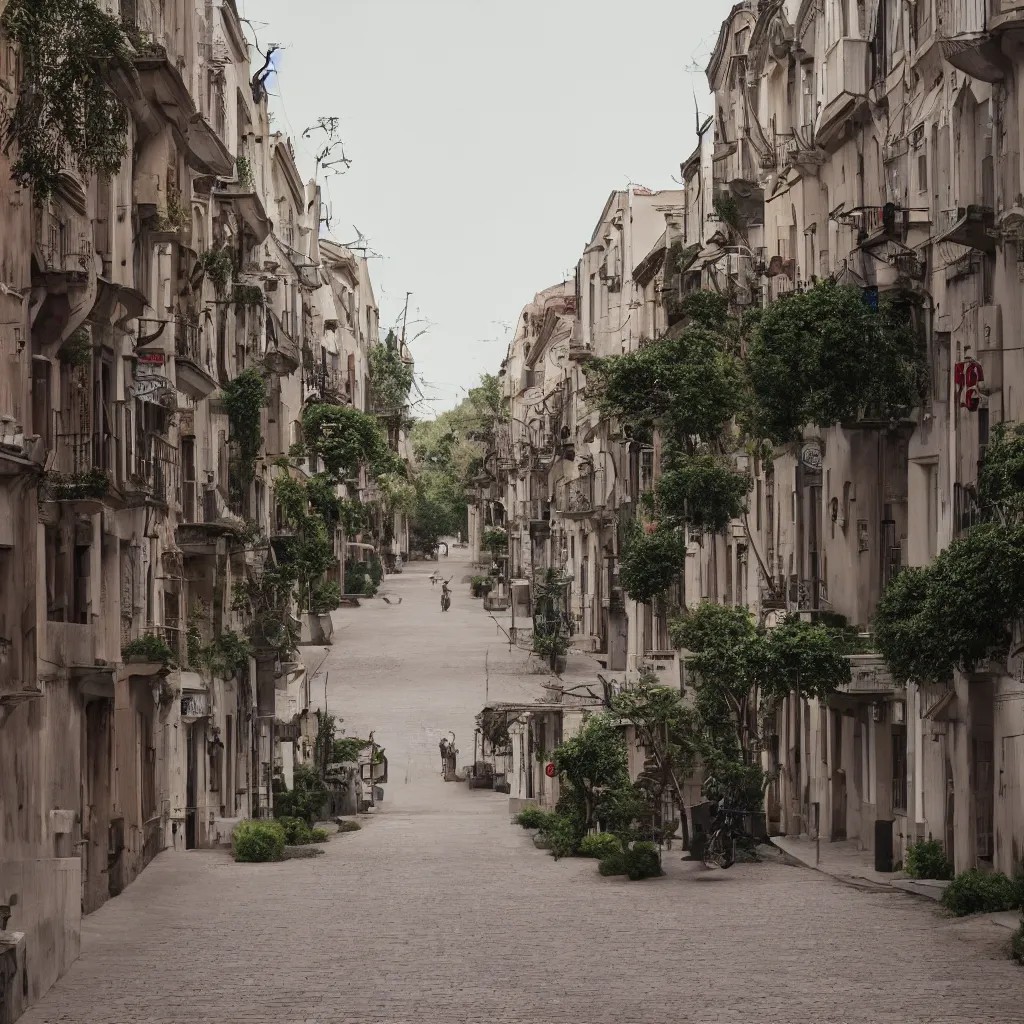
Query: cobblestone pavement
<point>439,911</point>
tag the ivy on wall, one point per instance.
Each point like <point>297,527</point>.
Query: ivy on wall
<point>65,115</point>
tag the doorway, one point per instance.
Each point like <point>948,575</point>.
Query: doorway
<point>190,790</point>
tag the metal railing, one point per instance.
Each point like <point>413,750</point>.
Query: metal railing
<point>154,467</point>
<point>188,343</point>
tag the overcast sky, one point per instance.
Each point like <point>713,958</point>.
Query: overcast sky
<point>485,137</point>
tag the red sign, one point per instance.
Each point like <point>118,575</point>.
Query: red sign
<point>153,358</point>
<point>549,770</point>
<point>968,376</point>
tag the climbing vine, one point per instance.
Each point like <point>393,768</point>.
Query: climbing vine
<point>245,398</point>
<point>65,113</point>
<point>309,551</point>
<point>390,376</point>
<point>219,266</point>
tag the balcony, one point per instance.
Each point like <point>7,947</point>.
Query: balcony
<point>965,40</point>
<point>153,474</point>
<point>193,362</point>
<point>248,207</point>
<point>846,89</point>
<point>283,356</point>
<point>973,227</point>
<point>326,385</point>
<point>77,473</point>
<point>870,677</point>
<point>579,498</point>
<point>797,149</point>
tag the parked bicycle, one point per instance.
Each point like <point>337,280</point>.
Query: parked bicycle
<point>446,596</point>
<point>719,850</point>
<point>720,846</point>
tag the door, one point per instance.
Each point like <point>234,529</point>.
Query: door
<point>838,779</point>
<point>190,790</point>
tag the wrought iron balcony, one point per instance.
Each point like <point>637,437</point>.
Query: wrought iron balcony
<point>194,369</point>
<point>153,471</point>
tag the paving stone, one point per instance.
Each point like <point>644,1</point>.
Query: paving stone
<point>439,911</point>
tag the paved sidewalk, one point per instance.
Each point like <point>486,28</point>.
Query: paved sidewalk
<point>846,862</point>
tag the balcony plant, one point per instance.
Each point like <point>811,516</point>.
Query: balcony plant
<point>147,649</point>
<point>91,484</point>
<point>65,114</point>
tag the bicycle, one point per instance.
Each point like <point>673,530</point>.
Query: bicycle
<point>446,597</point>
<point>720,846</point>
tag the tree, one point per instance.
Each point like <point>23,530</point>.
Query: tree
<point>826,355</point>
<point>344,439</point>
<point>688,386</point>
<point>958,611</point>
<point>741,675</point>
<point>592,761</point>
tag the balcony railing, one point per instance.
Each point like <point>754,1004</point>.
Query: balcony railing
<point>154,468</point>
<point>188,344</point>
<point>579,497</point>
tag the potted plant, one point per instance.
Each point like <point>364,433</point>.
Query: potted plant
<point>553,647</point>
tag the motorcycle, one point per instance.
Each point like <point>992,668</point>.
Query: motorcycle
<point>446,598</point>
<point>719,849</point>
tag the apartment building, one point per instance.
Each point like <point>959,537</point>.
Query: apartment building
<point>874,144</point>
<point>147,701</point>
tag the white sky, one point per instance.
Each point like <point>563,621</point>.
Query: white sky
<point>485,137</point>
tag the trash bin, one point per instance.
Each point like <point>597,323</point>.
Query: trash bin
<point>883,845</point>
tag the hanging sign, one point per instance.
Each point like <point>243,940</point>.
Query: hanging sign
<point>549,770</point>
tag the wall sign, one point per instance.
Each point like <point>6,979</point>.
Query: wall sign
<point>968,376</point>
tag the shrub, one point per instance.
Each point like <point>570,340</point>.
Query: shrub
<point>927,859</point>
<point>318,835</point>
<point>296,831</point>
<point>324,596</point>
<point>643,861</point>
<point>613,864</point>
<point>563,835</point>
<point>257,841</point>
<point>1017,944</point>
<point>976,892</point>
<point>298,803</point>
<point>600,845</point>
<point>349,826</point>
<point>531,817</point>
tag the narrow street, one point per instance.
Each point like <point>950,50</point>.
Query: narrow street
<point>439,910</point>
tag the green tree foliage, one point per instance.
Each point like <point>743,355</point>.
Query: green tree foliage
<point>344,439</point>
<point>592,761</point>
<point>309,549</point>
<point>651,560</point>
<point>65,114</point>
<point>245,398</point>
<point>826,356</point>
<point>957,611</point>
<point>448,452</point>
<point>702,491</point>
<point>741,674</point>
<point>391,377</point>
<point>689,386</point>
<point>1001,473</point>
